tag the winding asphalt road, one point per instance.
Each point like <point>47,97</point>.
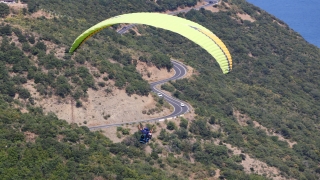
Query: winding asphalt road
<point>180,71</point>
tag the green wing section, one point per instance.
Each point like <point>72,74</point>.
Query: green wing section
<point>191,30</point>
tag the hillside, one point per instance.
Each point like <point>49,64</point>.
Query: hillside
<point>261,121</point>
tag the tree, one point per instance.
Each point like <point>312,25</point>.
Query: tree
<point>4,10</point>
<point>212,120</point>
<point>63,88</point>
<point>171,125</point>
<point>78,103</point>
<point>24,93</point>
<point>31,39</point>
<point>200,127</point>
<point>26,47</point>
<point>183,123</point>
<point>6,30</point>
<point>161,61</point>
<point>32,6</point>
<point>182,133</point>
<point>41,46</point>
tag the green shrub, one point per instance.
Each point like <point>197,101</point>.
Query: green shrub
<point>212,120</point>
<point>171,125</point>
<point>183,123</point>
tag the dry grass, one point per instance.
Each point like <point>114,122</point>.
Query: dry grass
<point>96,108</point>
<point>154,73</point>
<point>241,118</point>
<point>41,13</point>
<point>30,137</point>
<point>245,17</point>
<point>252,165</point>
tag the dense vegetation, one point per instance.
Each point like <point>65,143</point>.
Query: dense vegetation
<point>37,146</point>
<point>274,82</point>
<point>4,10</point>
<point>66,76</point>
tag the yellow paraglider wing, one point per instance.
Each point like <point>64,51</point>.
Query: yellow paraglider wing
<point>191,30</point>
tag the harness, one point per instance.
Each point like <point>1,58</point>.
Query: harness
<point>145,137</point>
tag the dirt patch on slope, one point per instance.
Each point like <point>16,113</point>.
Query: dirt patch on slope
<point>100,108</point>
<point>58,51</point>
<point>217,174</point>
<point>111,132</point>
<point>30,137</point>
<point>252,165</point>
<point>197,7</point>
<point>104,108</point>
<point>241,118</point>
<point>212,8</point>
<point>245,17</point>
<point>17,6</point>
<point>152,73</point>
<point>279,23</point>
<point>121,107</point>
<point>190,72</point>
<point>117,137</point>
<point>41,13</point>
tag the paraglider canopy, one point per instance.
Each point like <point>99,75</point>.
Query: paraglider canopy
<point>191,30</point>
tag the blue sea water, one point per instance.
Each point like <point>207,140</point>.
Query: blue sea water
<point>303,16</point>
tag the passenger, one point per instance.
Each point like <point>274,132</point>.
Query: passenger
<point>146,134</point>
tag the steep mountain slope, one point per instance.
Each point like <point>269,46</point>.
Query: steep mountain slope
<point>267,108</point>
